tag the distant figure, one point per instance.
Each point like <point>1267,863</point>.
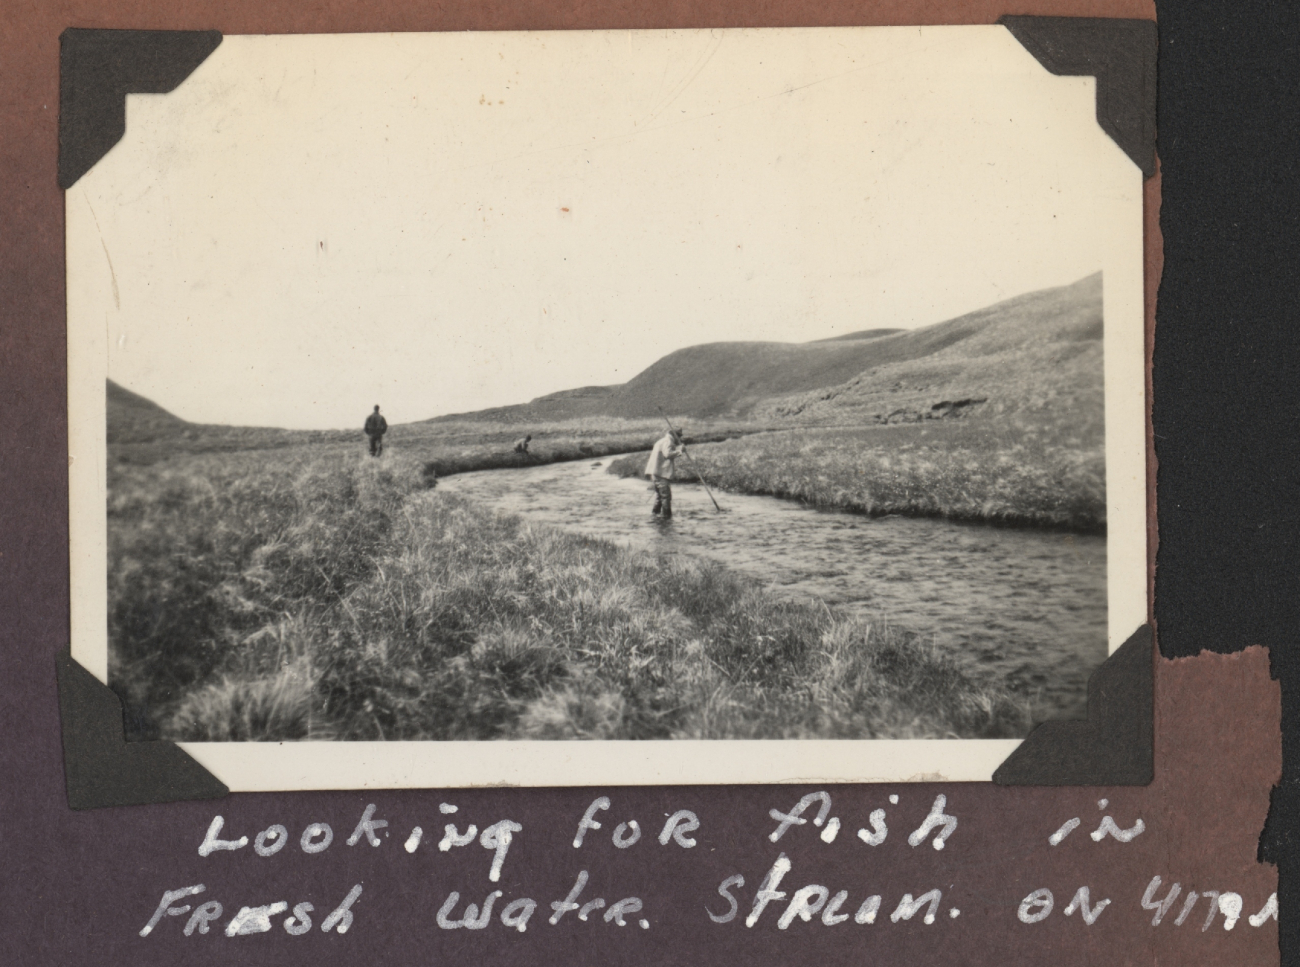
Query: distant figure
<point>659,468</point>
<point>376,427</point>
<point>521,445</point>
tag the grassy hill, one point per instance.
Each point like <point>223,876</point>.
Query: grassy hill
<point>134,419</point>
<point>138,430</point>
<point>1043,349</point>
<point>1006,352</point>
<point>998,415</point>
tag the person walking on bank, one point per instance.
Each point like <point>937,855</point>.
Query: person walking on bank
<point>376,427</point>
<point>521,445</point>
<point>659,468</point>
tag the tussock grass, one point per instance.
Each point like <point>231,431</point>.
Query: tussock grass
<point>1017,469</point>
<point>282,595</point>
<point>462,447</point>
<point>218,562</point>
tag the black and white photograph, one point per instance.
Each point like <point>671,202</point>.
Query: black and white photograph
<point>656,406</point>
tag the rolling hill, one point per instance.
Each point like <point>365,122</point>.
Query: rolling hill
<point>134,419</point>
<point>141,431</point>
<point>1014,352</point>
<point>1036,349</point>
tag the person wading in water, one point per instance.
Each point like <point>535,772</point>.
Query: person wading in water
<point>376,427</point>
<point>659,468</point>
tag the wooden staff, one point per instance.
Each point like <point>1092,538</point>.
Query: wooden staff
<point>687,454</point>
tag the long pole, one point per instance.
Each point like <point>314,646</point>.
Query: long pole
<point>686,453</point>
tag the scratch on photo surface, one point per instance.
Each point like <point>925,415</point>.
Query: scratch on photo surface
<point>117,301</point>
<point>696,69</point>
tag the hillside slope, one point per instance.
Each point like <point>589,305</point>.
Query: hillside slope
<point>1037,350</point>
<point>140,431</point>
<point>134,419</point>
<point>1052,336</point>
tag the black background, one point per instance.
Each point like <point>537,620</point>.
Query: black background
<point>1226,398</point>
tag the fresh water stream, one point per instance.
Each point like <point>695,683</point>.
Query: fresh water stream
<point>1024,607</point>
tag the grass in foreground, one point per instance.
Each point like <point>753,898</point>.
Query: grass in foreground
<point>1011,471</point>
<point>280,595</point>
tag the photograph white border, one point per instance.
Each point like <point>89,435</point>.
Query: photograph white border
<point>366,765</point>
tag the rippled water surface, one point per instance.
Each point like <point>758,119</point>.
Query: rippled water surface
<point>1025,607</point>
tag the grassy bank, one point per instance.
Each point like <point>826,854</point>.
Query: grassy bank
<point>313,594</point>
<point>462,447</point>
<point>141,433</point>
<point>1010,471</point>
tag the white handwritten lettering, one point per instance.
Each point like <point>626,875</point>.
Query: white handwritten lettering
<point>907,906</point>
<point>165,907</point>
<point>451,837</point>
<point>807,900</point>
<point>936,818</point>
<point>622,908</point>
<point>308,840</point>
<point>1108,828</point>
<point>1081,903</point>
<point>588,821</point>
<point>678,825</point>
<point>250,920</point>
<point>1036,906</point>
<point>341,916</point>
<point>275,835</point>
<point>367,825</point>
<point>1160,907</point>
<point>724,891</point>
<point>497,837</point>
<point>1267,912</point>
<point>517,912</point>
<point>767,890</point>
<point>831,914</point>
<point>1230,906</point>
<point>203,916</point>
<point>300,922</point>
<point>794,816</point>
<point>561,907</point>
<point>211,844</point>
<point>867,912</point>
<point>878,829</point>
<point>413,841</point>
<point>1069,826</point>
<point>626,834</point>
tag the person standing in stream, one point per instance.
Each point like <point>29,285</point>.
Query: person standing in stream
<point>659,468</point>
<point>376,427</point>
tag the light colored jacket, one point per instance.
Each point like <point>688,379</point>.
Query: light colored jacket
<point>662,456</point>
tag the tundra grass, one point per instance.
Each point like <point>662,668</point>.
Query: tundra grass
<point>1008,471</point>
<point>452,448</point>
<point>309,594</point>
<point>442,447</point>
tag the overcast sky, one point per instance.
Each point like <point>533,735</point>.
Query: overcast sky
<point>438,223</point>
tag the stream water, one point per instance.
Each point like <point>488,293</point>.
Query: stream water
<point>1023,607</point>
